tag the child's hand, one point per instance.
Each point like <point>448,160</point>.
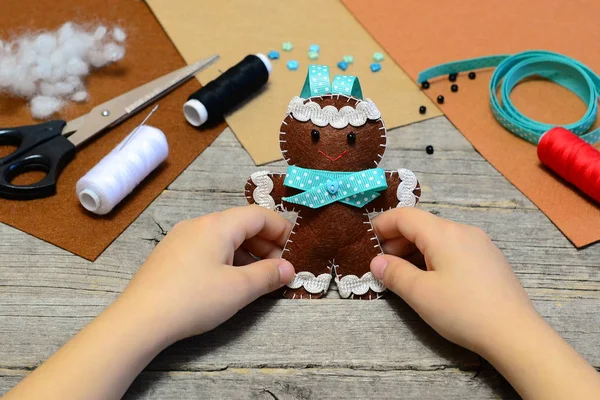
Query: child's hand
<point>469,293</point>
<point>188,283</point>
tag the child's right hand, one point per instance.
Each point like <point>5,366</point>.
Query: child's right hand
<point>469,293</point>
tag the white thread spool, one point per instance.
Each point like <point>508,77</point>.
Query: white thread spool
<point>117,174</point>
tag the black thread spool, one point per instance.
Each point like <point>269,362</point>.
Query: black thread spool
<point>218,97</point>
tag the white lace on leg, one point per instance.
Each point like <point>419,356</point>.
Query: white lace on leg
<point>312,284</point>
<point>264,187</point>
<point>353,285</point>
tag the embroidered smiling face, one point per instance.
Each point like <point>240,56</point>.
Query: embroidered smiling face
<point>350,137</point>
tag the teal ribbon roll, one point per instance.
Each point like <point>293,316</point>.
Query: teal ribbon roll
<point>512,69</point>
<point>321,187</point>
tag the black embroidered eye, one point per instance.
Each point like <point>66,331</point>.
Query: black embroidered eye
<point>351,138</point>
<point>315,135</point>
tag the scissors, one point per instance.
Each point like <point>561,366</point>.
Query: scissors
<point>49,146</point>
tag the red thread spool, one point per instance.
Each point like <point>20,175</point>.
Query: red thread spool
<point>573,159</point>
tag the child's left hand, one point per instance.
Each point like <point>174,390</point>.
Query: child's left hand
<point>189,284</point>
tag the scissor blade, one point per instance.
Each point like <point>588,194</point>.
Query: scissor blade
<point>122,107</point>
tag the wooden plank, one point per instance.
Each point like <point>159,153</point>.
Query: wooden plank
<point>311,383</point>
<point>333,333</point>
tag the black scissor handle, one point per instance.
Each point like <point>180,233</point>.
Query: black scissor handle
<point>39,148</point>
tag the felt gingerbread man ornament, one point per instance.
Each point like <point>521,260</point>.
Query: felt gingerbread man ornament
<point>333,141</point>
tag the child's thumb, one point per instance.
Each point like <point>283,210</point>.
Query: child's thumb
<point>267,275</point>
<point>398,275</point>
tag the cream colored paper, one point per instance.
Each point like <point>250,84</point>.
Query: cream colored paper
<point>236,28</point>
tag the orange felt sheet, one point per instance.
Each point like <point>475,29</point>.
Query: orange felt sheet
<point>422,34</point>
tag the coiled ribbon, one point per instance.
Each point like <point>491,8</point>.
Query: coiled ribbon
<point>511,69</point>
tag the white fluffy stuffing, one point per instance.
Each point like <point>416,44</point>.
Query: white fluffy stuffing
<point>49,68</point>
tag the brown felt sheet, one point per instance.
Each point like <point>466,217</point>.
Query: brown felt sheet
<point>60,219</point>
<point>422,34</point>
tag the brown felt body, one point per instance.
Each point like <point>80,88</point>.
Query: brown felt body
<point>60,219</point>
<point>337,238</point>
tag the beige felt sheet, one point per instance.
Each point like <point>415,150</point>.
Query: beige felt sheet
<point>235,28</point>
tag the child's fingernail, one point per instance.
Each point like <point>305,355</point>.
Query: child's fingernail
<point>378,266</point>
<point>286,272</point>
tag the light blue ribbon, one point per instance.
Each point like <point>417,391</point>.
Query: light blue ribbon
<point>317,83</point>
<point>511,69</point>
<point>347,85</point>
<point>321,187</point>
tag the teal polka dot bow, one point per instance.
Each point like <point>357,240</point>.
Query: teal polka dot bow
<point>320,188</point>
<point>512,69</point>
<point>318,83</point>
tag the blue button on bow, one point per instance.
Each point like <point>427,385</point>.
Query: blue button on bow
<point>332,186</point>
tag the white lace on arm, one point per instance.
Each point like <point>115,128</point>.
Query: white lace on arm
<point>405,195</point>
<point>264,187</point>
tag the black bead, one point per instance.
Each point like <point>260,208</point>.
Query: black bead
<point>440,99</point>
<point>452,77</point>
<point>351,138</point>
<point>472,75</point>
<point>315,135</point>
<point>425,85</point>
<point>454,88</point>
<point>422,110</point>
<point>429,149</point>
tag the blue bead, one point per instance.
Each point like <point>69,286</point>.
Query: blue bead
<point>342,65</point>
<point>293,65</point>
<point>375,67</point>
<point>332,186</point>
<point>314,47</point>
<point>273,54</point>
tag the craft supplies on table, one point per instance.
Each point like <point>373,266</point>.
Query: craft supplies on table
<point>498,27</point>
<point>565,150</point>
<point>49,146</point>
<point>238,83</point>
<point>184,21</point>
<point>117,174</point>
<point>60,220</point>
<point>510,70</point>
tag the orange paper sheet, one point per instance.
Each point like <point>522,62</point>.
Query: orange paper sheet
<point>236,28</point>
<point>422,34</point>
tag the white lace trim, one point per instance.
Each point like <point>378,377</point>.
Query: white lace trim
<point>264,187</point>
<point>329,115</point>
<point>405,195</point>
<point>352,284</point>
<point>312,284</point>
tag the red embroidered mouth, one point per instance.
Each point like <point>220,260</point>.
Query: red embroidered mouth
<point>333,158</point>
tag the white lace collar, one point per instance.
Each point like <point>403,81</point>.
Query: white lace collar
<point>329,115</point>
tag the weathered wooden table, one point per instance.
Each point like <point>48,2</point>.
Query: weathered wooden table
<point>325,349</point>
